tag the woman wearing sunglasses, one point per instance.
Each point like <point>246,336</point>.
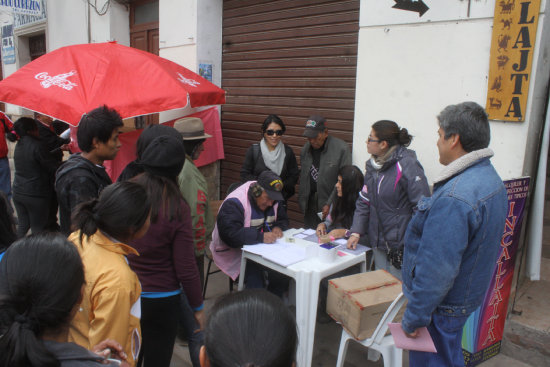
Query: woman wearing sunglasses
<point>272,154</point>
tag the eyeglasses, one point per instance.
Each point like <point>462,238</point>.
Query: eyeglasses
<point>273,132</point>
<point>371,140</point>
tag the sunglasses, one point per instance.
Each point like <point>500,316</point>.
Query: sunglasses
<point>273,132</point>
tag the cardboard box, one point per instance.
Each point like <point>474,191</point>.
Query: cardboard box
<point>359,301</point>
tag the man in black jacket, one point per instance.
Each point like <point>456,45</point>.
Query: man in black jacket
<point>82,176</point>
<point>54,145</point>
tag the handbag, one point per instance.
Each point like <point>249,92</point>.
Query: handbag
<point>393,255</point>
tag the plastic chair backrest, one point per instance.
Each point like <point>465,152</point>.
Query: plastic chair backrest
<point>390,314</point>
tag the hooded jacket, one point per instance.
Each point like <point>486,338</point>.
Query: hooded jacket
<point>110,307</point>
<point>76,181</point>
<point>385,204</point>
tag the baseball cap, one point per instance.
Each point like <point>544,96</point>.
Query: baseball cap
<point>314,125</point>
<point>272,184</point>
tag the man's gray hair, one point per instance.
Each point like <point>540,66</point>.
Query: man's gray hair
<point>469,120</point>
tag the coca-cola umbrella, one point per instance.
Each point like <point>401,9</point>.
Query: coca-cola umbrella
<point>70,81</point>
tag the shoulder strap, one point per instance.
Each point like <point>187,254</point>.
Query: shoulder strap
<point>256,152</point>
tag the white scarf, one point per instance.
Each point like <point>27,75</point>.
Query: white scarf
<point>274,160</point>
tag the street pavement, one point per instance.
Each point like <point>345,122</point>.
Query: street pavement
<point>327,340</point>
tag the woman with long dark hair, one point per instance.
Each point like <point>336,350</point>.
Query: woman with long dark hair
<point>33,184</point>
<point>103,228</point>
<point>394,182</point>
<point>166,265</point>
<point>348,186</point>
<point>41,282</point>
<point>272,154</point>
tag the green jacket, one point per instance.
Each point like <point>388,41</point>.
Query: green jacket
<point>335,155</point>
<point>194,189</point>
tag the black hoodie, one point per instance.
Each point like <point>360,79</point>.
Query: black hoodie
<point>76,181</point>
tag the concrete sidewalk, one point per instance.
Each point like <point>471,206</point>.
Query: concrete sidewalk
<point>327,340</point>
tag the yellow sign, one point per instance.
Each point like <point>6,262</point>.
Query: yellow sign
<point>512,47</point>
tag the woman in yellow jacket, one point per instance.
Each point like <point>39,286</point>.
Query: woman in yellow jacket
<point>111,303</point>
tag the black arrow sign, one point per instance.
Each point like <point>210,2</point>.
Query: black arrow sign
<point>410,5</point>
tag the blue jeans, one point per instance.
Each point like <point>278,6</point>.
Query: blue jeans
<point>5,177</point>
<point>446,332</point>
<point>195,339</point>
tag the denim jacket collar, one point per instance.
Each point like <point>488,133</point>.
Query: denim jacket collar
<point>460,164</point>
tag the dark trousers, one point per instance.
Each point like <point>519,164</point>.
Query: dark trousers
<point>159,325</point>
<point>53,225</point>
<point>32,212</point>
<point>191,329</point>
<point>311,219</point>
<point>277,283</point>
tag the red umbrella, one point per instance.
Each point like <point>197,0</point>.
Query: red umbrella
<point>73,80</point>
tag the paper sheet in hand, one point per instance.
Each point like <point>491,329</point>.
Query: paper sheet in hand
<point>423,342</point>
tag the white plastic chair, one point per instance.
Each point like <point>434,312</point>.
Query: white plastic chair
<point>393,356</point>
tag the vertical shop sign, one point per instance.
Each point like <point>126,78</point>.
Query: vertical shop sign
<point>8,50</point>
<point>483,331</point>
<point>514,34</point>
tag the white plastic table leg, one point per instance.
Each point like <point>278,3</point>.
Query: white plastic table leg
<point>303,310</point>
<point>241,275</point>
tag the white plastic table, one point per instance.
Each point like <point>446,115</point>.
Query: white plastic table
<point>308,275</point>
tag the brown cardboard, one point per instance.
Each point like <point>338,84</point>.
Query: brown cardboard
<point>359,301</point>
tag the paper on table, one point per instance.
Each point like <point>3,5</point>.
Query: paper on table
<point>307,232</point>
<point>423,342</point>
<point>288,256</point>
<point>360,249</point>
<point>280,252</point>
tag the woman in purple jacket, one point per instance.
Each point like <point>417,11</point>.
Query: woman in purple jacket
<point>394,182</point>
<point>166,265</point>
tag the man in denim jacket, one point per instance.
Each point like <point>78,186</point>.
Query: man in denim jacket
<point>453,240</point>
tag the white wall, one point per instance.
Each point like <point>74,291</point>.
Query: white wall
<point>67,23</point>
<point>190,33</point>
<point>209,36</point>
<point>410,72</point>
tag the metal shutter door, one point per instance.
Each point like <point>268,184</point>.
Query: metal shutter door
<point>290,58</point>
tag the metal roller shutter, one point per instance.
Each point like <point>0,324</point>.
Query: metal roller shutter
<point>291,58</point>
